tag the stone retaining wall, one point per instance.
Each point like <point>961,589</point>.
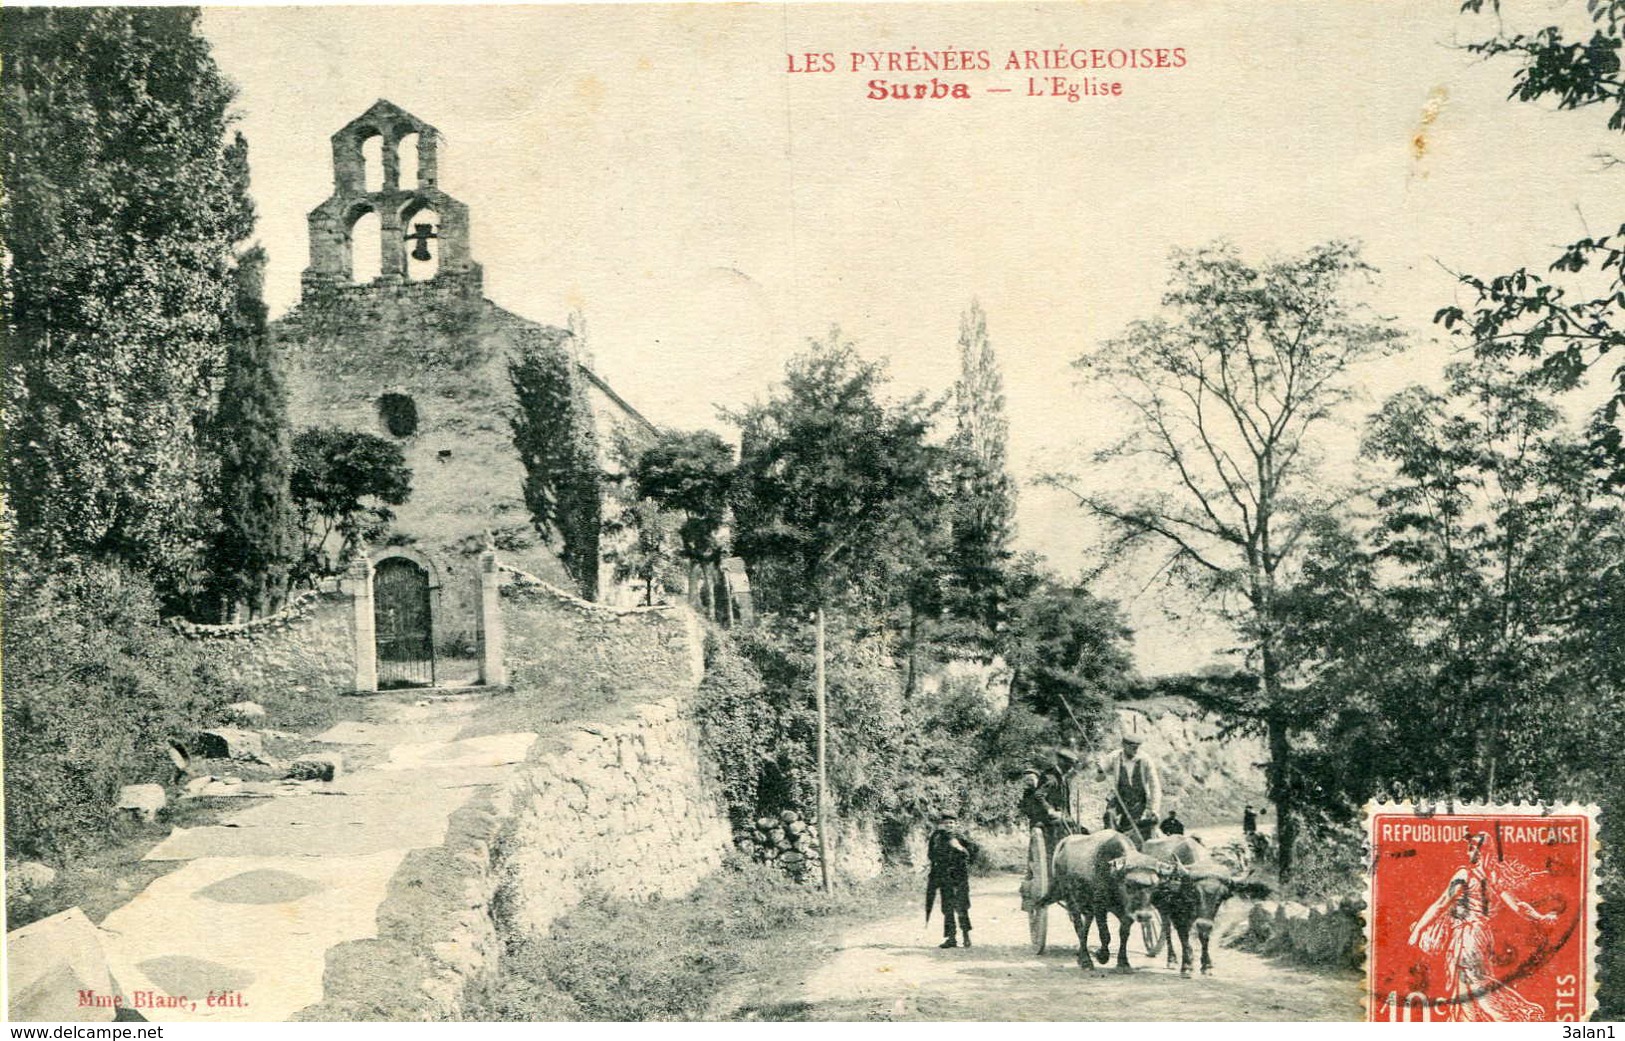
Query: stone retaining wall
<point>310,644</point>
<point>559,642</point>
<point>630,810</point>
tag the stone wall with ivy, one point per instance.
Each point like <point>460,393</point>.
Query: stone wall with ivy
<point>427,365</point>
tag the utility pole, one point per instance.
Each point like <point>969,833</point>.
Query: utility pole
<point>823,727</point>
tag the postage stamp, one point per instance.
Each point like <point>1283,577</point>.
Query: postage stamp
<point>1480,913</point>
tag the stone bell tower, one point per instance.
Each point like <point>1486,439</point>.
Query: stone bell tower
<point>332,224</point>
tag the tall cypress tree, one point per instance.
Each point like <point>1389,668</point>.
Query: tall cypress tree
<point>123,204</point>
<point>984,499</point>
<point>253,545</point>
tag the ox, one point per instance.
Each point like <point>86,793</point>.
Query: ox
<point>1198,888</point>
<point>1100,874</point>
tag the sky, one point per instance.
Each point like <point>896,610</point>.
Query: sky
<point>660,169</point>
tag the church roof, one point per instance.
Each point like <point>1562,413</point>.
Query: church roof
<point>383,113</point>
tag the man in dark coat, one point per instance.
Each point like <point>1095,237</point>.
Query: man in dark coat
<point>949,852</point>
<point>1172,825</point>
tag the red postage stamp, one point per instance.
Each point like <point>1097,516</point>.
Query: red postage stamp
<point>1480,913</point>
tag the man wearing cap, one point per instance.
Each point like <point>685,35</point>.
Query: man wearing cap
<point>1136,799</point>
<point>949,852</point>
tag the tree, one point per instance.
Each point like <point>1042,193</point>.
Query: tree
<point>649,550</point>
<point>343,483</point>
<point>554,431</point>
<point>1497,531</point>
<point>1576,316</point>
<point>1224,396</point>
<point>830,487</point>
<point>829,481</point>
<point>982,511</point>
<point>124,200</point>
<point>253,544</point>
<point>690,474</point>
<point>1067,648</point>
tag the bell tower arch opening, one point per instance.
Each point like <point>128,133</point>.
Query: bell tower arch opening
<point>422,226</point>
<point>406,161</point>
<point>372,163</point>
<point>365,238</point>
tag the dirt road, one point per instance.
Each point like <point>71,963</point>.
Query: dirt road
<point>892,970</point>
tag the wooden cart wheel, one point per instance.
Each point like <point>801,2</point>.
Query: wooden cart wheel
<point>1153,935</point>
<point>1037,885</point>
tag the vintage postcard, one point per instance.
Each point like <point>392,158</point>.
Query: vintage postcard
<point>906,512</point>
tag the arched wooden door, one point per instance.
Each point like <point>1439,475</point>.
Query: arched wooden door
<point>404,624</point>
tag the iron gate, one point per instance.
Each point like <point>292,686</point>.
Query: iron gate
<point>404,625</point>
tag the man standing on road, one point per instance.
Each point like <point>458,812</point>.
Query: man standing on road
<point>1136,799</point>
<point>949,852</point>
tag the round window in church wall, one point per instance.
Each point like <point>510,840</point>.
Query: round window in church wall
<point>399,414</point>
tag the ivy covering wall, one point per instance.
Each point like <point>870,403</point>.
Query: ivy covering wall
<point>554,431</point>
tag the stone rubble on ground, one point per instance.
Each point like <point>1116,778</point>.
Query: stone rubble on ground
<point>245,711</point>
<point>142,800</point>
<point>316,766</point>
<point>23,879</point>
<point>51,964</point>
<point>231,743</point>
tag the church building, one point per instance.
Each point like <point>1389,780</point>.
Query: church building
<point>393,336</point>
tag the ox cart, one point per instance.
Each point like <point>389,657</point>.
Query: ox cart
<point>1035,889</point>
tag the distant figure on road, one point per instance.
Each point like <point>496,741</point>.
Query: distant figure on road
<point>1172,825</point>
<point>950,851</point>
<point>1249,833</point>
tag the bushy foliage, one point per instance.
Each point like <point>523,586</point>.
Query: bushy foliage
<point>866,726</point>
<point>738,724</point>
<point>556,436</point>
<point>95,686</point>
<point>892,756</point>
<point>343,483</point>
<point>124,199</point>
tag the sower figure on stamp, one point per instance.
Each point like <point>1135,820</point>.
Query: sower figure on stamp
<point>1134,801</point>
<point>1458,924</point>
<point>950,851</point>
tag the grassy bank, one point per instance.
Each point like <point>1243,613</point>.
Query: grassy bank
<point>619,960</point>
